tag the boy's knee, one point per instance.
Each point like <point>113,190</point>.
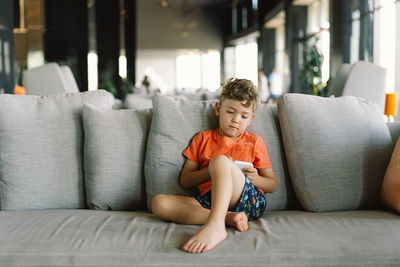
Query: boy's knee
<point>159,204</point>
<point>220,159</point>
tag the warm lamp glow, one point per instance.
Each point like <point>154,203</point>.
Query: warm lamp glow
<point>19,90</point>
<point>391,104</point>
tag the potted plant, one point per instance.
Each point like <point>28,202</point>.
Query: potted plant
<point>311,74</point>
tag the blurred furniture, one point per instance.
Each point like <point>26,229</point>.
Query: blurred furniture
<point>138,101</point>
<point>49,79</point>
<point>69,79</point>
<point>336,89</point>
<point>362,79</point>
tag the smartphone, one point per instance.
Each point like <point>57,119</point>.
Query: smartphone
<point>243,164</point>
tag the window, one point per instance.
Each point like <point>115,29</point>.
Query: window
<point>397,56</point>
<point>318,25</point>
<point>246,61</point>
<point>211,71</point>
<point>198,70</point>
<point>188,72</point>
<point>92,71</point>
<point>234,20</point>
<point>385,46</point>
<point>280,66</point>
<point>229,62</point>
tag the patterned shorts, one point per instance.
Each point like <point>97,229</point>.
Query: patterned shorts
<point>252,202</point>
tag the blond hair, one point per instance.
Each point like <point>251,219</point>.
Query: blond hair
<point>241,90</point>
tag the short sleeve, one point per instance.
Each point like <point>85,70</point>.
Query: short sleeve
<point>192,151</point>
<point>262,160</point>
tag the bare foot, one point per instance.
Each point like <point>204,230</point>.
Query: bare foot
<point>237,220</point>
<point>206,239</point>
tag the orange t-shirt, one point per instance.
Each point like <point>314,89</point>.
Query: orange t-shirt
<point>208,144</point>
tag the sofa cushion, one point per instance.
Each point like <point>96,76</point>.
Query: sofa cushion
<point>266,125</point>
<point>394,129</point>
<point>115,146</point>
<point>391,181</point>
<point>116,238</point>
<point>176,121</point>
<point>138,101</point>
<point>337,150</point>
<point>41,150</point>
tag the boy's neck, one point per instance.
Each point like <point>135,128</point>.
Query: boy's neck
<point>220,134</point>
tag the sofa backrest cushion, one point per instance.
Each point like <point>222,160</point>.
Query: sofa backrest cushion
<point>266,125</point>
<point>337,150</point>
<point>115,147</point>
<point>394,129</point>
<point>41,150</point>
<point>176,121</point>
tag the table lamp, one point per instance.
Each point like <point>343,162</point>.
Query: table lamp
<point>391,105</point>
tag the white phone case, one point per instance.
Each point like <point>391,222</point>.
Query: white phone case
<point>243,164</point>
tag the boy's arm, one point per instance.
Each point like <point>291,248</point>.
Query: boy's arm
<point>262,178</point>
<point>191,176</point>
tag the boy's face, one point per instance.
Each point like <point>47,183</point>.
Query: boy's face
<point>233,118</point>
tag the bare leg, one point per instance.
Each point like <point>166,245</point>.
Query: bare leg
<point>227,185</point>
<point>187,210</point>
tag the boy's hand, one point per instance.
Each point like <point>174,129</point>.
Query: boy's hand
<point>251,173</point>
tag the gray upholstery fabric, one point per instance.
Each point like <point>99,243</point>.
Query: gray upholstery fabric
<point>337,86</point>
<point>46,80</point>
<point>337,150</point>
<point>366,80</point>
<point>176,121</point>
<point>266,125</point>
<point>41,150</point>
<point>115,148</point>
<point>279,238</point>
<point>138,101</point>
<point>394,128</point>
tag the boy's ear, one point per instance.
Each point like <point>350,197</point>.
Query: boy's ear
<point>217,108</point>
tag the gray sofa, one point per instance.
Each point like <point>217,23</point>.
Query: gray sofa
<point>77,178</point>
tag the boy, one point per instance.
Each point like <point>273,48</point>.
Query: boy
<point>227,195</point>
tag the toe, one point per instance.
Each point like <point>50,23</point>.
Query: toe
<point>201,248</point>
<point>195,248</point>
<point>187,245</point>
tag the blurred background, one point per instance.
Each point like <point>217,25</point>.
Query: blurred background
<point>191,46</point>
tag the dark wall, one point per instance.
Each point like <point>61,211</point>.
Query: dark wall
<point>6,47</point>
<point>130,39</point>
<point>66,36</point>
<point>267,45</point>
<point>366,31</point>
<point>107,39</point>
<point>296,24</point>
<point>336,35</point>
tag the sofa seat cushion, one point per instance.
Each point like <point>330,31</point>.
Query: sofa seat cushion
<point>116,238</point>
<point>337,150</point>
